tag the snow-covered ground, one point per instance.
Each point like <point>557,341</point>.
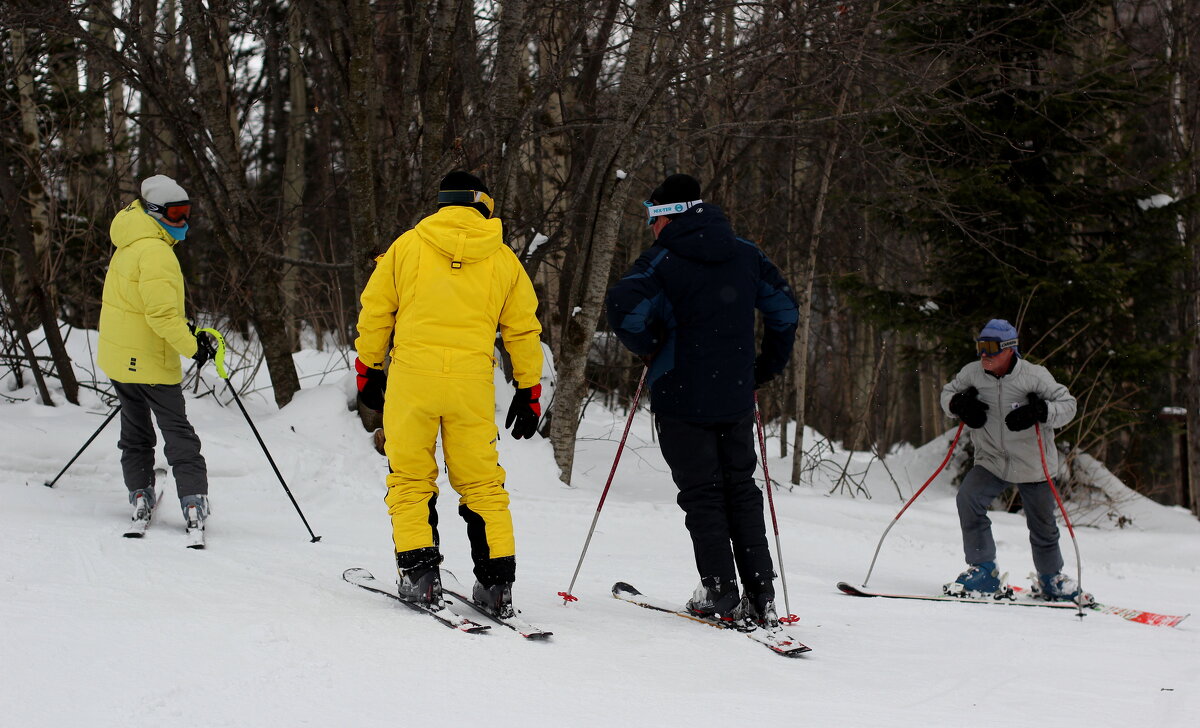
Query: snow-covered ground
<point>260,630</point>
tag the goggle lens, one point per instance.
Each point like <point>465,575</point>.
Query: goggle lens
<point>992,348</point>
<point>178,212</point>
<point>175,214</point>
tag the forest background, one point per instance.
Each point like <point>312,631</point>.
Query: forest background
<point>914,167</point>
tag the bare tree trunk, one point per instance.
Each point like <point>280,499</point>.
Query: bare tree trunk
<point>510,46</point>
<point>364,222</point>
<point>616,144</point>
<point>293,174</point>
<point>39,216</point>
<point>21,230</point>
<point>800,359</point>
<point>240,230</point>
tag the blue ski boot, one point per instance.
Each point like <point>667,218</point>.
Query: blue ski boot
<point>1060,588</point>
<point>979,580</point>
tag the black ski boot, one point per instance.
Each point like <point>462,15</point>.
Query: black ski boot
<point>496,600</point>
<point>713,599</point>
<point>420,578</point>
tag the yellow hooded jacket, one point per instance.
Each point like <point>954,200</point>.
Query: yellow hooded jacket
<point>443,288</point>
<point>143,331</point>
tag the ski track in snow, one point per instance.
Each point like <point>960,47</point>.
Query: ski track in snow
<point>260,630</point>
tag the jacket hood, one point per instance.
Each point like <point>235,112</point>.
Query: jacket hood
<point>132,224</point>
<point>702,233</point>
<point>461,233</point>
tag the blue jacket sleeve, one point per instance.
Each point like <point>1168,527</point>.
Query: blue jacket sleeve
<point>633,305</point>
<point>780,315</point>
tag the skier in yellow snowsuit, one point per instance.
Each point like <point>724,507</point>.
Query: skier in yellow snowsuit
<point>434,303</point>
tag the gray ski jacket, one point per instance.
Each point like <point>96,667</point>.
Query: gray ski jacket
<point>1013,456</point>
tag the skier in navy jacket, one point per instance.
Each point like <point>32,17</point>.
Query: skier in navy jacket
<point>686,307</point>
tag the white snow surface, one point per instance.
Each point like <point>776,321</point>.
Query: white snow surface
<point>260,630</point>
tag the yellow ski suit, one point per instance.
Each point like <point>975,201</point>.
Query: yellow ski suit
<point>143,331</point>
<point>438,295</point>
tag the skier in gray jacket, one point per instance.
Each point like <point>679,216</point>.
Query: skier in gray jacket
<point>1001,397</point>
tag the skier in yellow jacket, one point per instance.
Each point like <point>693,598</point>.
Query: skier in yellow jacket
<point>434,303</point>
<point>143,333</point>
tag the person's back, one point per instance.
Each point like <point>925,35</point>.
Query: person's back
<point>434,303</point>
<point>143,332</point>
<point>687,309</point>
<point>450,288</point>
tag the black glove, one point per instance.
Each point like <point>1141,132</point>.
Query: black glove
<point>206,348</point>
<point>969,409</point>
<point>1023,417</point>
<point>372,383</point>
<point>761,375</point>
<point>525,411</point>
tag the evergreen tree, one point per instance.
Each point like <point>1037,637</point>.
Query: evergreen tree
<point>1016,182</point>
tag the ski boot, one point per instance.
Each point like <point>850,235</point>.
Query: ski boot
<point>143,509</point>
<point>714,600</point>
<point>979,581</point>
<point>420,579</point>
<point>195,513</point>
<point>759,611</point>
<point>496,600</point>
<point>143,504</point>
<point>1059,588</point>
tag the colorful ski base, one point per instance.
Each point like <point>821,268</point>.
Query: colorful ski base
<point>1133,615</point>
<point>453,587</point>
<point>364,579</point>
<point>776,640</point>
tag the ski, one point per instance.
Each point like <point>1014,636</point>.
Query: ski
<point>777,640</point>
<point>1133,615</point>
<point>137,526</point>
<point>364,579</point>
<point>452,586</point>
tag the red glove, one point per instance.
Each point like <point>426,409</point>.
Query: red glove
<point>525,411</point>
<point>372,383</point>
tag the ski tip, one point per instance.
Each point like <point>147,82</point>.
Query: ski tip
<point>851,590</point>
<point>356,572</point>
<point>623,588</point>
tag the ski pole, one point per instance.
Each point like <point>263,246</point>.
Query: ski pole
<point>111,415</point>
<point>219,362</point>
<point>762,446</point>
<point>1070,529</point>
<point>957,434</point>
<point>567,595</point>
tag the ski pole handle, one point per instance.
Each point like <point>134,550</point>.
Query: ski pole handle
<point>219,359</point>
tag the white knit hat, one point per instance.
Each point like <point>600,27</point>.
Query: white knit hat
<point>161,189</point>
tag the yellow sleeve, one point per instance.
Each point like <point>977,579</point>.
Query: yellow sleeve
<point>160,285</point>
<point>380,301</point>
<point>520,329</point>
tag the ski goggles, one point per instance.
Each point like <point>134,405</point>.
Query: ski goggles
<point>992,348</point>
<point>175,214</point>
<point>467,197</point>
<point>655,211</point>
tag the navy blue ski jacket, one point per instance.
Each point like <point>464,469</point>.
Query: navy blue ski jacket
<point>688,303</point>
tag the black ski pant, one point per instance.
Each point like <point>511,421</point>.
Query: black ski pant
<point>979,488</point>
<point>713,466</point>
<point>180,442</point>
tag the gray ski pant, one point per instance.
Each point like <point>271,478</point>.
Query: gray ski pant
<point>979,488</point>
<point>180,442</point>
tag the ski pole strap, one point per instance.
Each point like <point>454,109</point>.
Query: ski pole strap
<point>219,359</point>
